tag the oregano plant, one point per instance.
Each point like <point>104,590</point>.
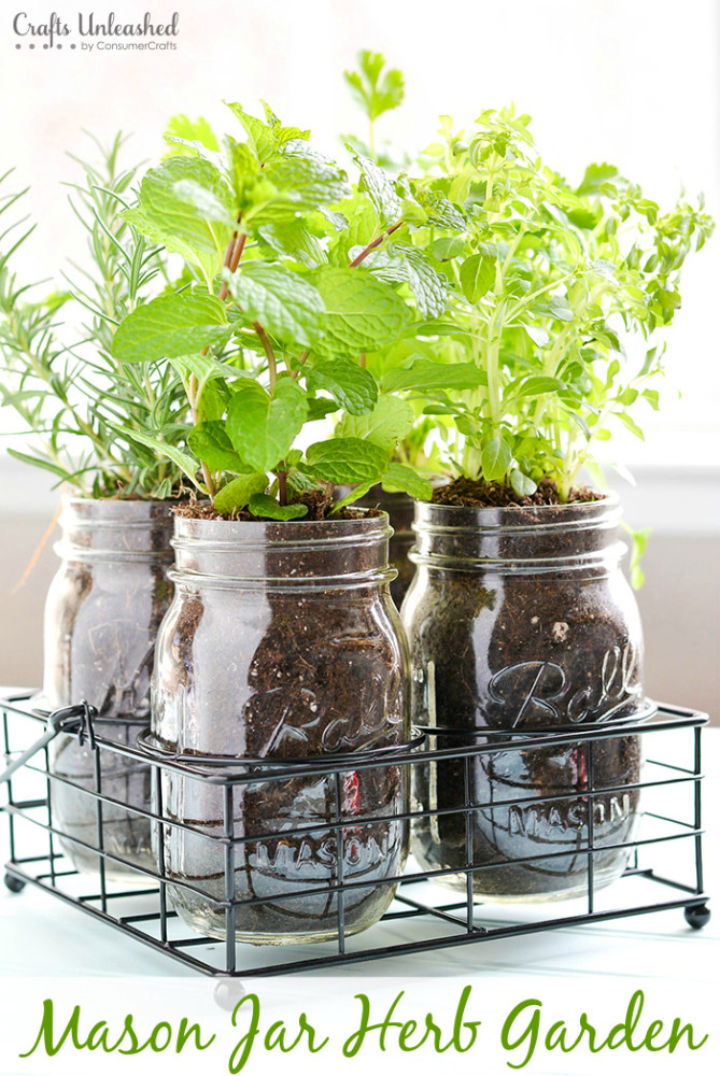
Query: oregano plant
<point>556,299</point>
<point>272,324</point>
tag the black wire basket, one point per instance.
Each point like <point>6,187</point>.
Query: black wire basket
<point>422,915</point>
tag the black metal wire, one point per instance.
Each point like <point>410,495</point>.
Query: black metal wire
<point>155,927</point>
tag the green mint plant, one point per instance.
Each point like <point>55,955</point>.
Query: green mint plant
<point>277,313</point>
<point>85,414</point>
<point>550,288</point>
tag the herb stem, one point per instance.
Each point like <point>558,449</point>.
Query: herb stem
<point>375,243</point>
<point>282,486</point>
<point>192,395</point>
<point>233,255</point>
<point>269,353</point>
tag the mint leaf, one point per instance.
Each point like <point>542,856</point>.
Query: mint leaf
<point>306,182</point>
<point>262,505</point>
<point>238,492</point>
<point>211,444</point>
<point>380,189</point>
<point>389,422</point>
<point>262,428</point>
<point>362,313</point>
<point>170,326</point>
<point>477,275</point>
<point>289,307</point>
<point>402,263</point>
<point>171,216</point>
<point>260,135</point>
<point>346,459</point>
<point>401,479</point>
<point>293,239</point>
<point>353,387</point>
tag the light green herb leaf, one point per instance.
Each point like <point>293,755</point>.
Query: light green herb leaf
<point>39,461</point>
<point>188,130</point>
<point>401,479</point>
<point>306,182</point>
<point>211,444</point>
<point>522,484</point>
<point>630,424</point>
<point>534,386</point>
<point>205,201</point>
<point>477,275</point>
<point>165,214</point>
<point>171,326</point>
<point>263,428</point>
<point>639,541</point>
<point>353,387</point>
<point>181,459</point>
<point>596,177</point>
<point>375,89</point>
<point>448,247</point>
<point>262,505</point>
<point>238,492</point>
<point>380,188</point>
<point>293,239</point>
<point>426,374</point>
<point>260,134</point>
<point>495,459</point>
<point>354,495</point>
<point>346,459</point>
<point>362,313</point>
<point>288,307</point>
<point>405,264</point>
<point>390,421</point>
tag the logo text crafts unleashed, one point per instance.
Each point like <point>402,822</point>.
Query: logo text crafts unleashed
<point>88,31</point>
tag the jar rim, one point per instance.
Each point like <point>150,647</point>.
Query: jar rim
<point>241,534</point>
<point>518,519</point>
<point>97,511</point>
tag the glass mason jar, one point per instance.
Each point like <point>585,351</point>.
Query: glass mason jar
<point>520,618</point>
<point>102,615</point>
<point>283,643</point>
<point>400,509</point>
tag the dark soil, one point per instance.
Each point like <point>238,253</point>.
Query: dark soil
<point>319,503</point>
<point>474,493</point>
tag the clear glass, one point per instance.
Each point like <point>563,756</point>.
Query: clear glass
<point>102,615</point>
<point>283,643</point>
<point>400,509</point>
<point>520,618</point>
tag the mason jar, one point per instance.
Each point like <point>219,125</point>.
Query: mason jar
<point>520,619</point>
<point>102,615</point>
<point>282,644</point>
<point>400,509</point>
